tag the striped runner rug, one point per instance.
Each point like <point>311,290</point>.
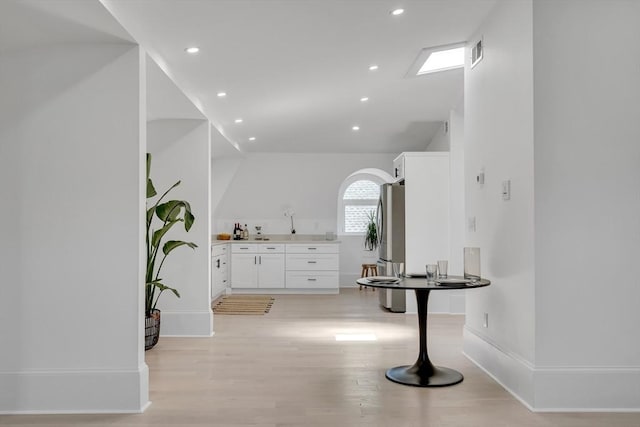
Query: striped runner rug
<point>243,304</point>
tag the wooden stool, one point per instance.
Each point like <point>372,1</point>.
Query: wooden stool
<point>369,270</point>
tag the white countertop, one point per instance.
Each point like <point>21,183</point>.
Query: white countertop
<point>281,238</point>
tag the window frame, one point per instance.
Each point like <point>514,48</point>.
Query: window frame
<point>342,203</point>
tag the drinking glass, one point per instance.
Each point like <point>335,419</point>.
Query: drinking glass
<point>472,263</point>
<point>432,270</point>
<point>398,269</point>
<point>442,269</point>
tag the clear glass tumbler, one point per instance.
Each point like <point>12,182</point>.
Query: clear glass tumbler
<point>432,271</point>
<point>442,269</point>
<point>472,263</point>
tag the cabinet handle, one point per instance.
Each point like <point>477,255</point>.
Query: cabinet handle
<point>273,249</point>
<point>312,262</point>
<point>217,263</point>
<point>243,248</point>
<point>260,259</point>
<point>255,259</point>
<point>312,280</point>
<point>312,249</point>
<point>396,172</point>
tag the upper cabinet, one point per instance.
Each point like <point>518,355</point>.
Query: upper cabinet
<point>398,167</point>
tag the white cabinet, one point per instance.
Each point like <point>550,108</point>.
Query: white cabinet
<point>255,266</point>
<point>426,181</point>
<point>427,224</point>
<point>219,271</point>
<point>313,267</point>
<point>398,167</point>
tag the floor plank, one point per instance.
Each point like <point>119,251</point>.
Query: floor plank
<point>286,369</point>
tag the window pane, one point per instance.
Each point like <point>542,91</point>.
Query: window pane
<point>364,189</point>
<point>356,217</point>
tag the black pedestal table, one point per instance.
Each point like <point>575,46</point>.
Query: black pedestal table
<point>423,373</point>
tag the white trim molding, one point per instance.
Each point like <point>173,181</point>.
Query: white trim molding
<point>556,389</point>
<point>75,392</point>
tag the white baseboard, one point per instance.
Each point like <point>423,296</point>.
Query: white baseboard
<point>285,291</point>
<point>556,389</point>
<point>75,392</point>
<point>186,323</point>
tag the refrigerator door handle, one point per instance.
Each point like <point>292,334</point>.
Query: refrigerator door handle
<point>379,216</point>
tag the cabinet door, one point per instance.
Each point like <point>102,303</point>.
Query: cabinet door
<point>398,167</point>
<point>244,271</point>
<point>271,271</point>
<point>217,280</point>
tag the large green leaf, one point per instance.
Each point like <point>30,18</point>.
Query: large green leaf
<point>188,220</point>
<point>170,210</point>
<point>151,191</point>
<point>159,234</point>
<point>150,212</point>
<point>173,244</point>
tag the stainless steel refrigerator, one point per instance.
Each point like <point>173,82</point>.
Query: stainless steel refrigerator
<point>391,244</point>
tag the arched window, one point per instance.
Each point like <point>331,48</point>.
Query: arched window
<point>357,198</point>
<point>360,200</point>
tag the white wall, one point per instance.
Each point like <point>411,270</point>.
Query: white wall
<point>561,319</point>
<point>71,176</point>
<point>265,184</point>
<point>181,151</point>
<point>498,133</point>
<point>440,141</point>
<point>587,209</point>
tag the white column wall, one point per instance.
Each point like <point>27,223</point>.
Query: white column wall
<point>587,179</point>
<point>498,136</point>
<point>72,225</point>
<point>181,151</point>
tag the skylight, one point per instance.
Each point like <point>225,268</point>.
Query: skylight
<point>438,58</point>
<point>443,60</point>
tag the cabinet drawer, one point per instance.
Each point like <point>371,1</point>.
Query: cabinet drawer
<point>312,280</point>
<point>219,250</point>
<point>321,248</point>
<point>238,248</point>
<point>312,262</point>
<point>275,248</point>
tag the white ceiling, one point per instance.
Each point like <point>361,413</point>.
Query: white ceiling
<point>294,71</point>
<point>26,24</point>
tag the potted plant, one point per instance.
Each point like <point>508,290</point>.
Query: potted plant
<point>161,217</point>
<point>371,232</point>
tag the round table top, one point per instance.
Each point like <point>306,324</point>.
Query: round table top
<point>421,283</point>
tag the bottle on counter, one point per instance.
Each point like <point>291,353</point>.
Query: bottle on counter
<point>236,231</point>
<point>245,232</point>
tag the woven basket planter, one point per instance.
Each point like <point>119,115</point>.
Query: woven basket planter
<point>151,329</point>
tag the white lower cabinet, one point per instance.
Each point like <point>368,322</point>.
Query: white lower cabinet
<point>219,271</point>
<point>312,280</point>
<point>285,268</point>
<point>255,266</point>
<point>313,267</point>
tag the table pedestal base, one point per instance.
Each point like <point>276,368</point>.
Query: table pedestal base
<point>410,375</point>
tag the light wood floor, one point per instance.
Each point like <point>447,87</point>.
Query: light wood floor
<point>286,369</point>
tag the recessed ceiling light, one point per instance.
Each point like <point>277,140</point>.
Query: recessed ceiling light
<point>397,12</point>
<point>442,60</point>
<point>364,99</point>
<point>373,67</point>
<point>238,120</point>
<point>193,49</point>
<point>253,138</point>
<point>355,128</point>
<point>222,94</point>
